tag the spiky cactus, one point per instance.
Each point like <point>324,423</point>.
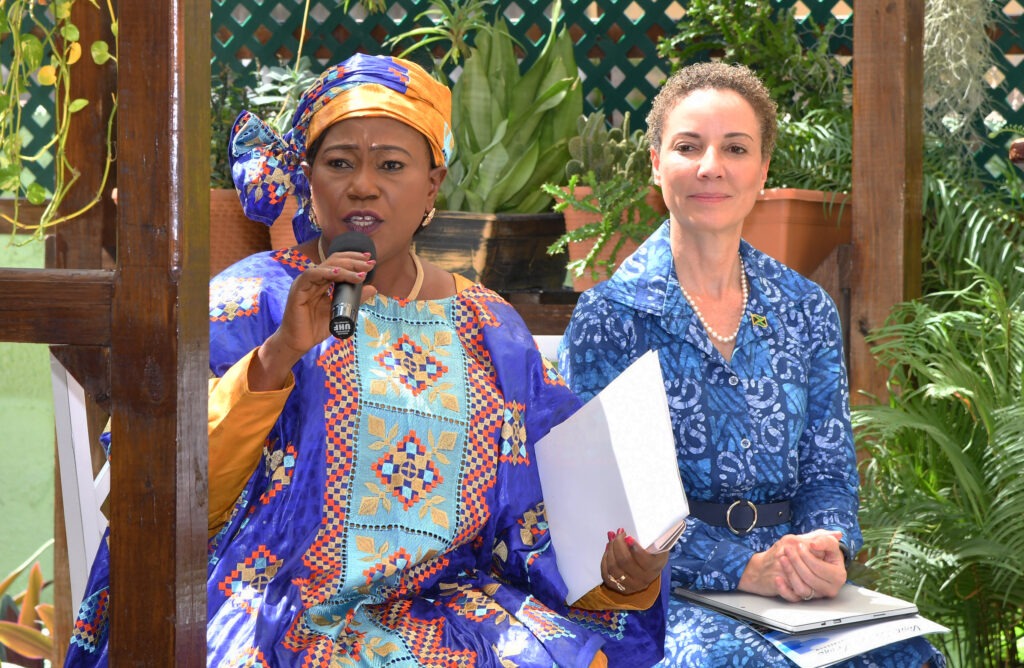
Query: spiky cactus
<point>606,151</point>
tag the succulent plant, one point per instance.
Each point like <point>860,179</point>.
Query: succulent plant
<point>607,151</point>
<point>608,174</point>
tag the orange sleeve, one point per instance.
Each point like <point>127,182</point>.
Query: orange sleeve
<point>602,598</point>
<point>600,660</point>
<point>239,421</point>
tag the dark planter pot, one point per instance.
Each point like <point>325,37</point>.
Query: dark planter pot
<point>503,251</point>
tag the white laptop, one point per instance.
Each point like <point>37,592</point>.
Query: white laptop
<point>853,605</point>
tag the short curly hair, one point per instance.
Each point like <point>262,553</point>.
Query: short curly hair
<point>716,76</point>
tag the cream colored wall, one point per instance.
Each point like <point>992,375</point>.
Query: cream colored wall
<point>26,437</point>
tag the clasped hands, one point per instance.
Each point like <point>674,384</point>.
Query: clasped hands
<point>798,567</point>
<point>626,567</point>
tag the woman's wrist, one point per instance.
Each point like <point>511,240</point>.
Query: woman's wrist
<point>272,366</point>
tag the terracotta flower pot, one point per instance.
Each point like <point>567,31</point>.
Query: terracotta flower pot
<point>799,227</point>
<point>233,236</point>
<point>575,219</point>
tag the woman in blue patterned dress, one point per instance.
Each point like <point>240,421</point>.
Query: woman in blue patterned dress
<point>753,363</point>
<point>374,499</point>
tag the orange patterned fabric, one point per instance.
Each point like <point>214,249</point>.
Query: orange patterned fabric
<point>267,167</point>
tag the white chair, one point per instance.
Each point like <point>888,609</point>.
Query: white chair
<point>548,344</point>
<point>83,493</point>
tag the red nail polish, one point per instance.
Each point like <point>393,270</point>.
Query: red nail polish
<point>630,541</point>
<point>611,536</point>
<point>361,274</point>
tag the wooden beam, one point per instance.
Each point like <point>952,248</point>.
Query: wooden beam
<point>887,174</point>
<point>55,306</point>
<point>159,336</point>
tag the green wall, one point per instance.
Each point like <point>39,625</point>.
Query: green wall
<point>26,437</point>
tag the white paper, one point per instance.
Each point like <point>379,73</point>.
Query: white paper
<point>816,650</point>
<point>611,465</point>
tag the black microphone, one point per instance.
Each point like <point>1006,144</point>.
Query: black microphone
<point>345,301</point>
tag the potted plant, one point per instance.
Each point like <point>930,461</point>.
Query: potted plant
<point>804,211</point>
<point>511,126</point>
<point>610,203</point>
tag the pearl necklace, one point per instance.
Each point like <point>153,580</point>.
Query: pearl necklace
<point>417,283</point>
<point>700,316</point>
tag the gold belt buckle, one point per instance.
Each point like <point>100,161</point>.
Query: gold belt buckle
<point>728,517</point>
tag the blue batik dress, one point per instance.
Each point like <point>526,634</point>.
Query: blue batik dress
<point>771,424</point>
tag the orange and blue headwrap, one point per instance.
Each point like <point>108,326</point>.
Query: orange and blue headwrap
<point>266,167</point>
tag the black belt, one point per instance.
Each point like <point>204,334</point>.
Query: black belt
<point>741,516</point>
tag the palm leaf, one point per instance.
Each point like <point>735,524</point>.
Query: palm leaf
<point>942,491</point>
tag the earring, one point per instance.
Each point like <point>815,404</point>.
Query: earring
<point>427,217</point>
<point>311,214</point>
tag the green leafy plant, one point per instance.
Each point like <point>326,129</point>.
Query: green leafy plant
<point>278,90</point>
<point>228,95</point>
<point>453,23</point>
<point>942,490</point>
<point>42,45</point>
<point>792,58</point>
<point>26,625</point>
<point>609,175</point>
<point>511,123</point>
<point>814,153</point>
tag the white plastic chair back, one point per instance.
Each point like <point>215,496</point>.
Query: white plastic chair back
<point>83,494</point>
<point>548,344</point>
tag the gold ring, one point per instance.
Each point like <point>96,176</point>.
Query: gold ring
<point>809,596</point>
<point>618,582</point>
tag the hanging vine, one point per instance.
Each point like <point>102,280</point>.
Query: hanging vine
<point>40,46</point>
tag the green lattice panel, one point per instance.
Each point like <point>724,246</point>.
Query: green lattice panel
<point>615,39</point>
<point>615,42</point>
<point>37,119</point>
<point>1005,81</point>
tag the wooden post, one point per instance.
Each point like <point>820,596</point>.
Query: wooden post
<point>887,166</point>
<point>159,336</point>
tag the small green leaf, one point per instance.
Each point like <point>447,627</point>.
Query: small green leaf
<point>69,31</point>
<point>100,52</point>
<point>36,194</point>
<point>10,178</point>
<point>31,51</point>
<point>78,104</point>
<point>62,9</point>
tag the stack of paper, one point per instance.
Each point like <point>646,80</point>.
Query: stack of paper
<point>611,465</point>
